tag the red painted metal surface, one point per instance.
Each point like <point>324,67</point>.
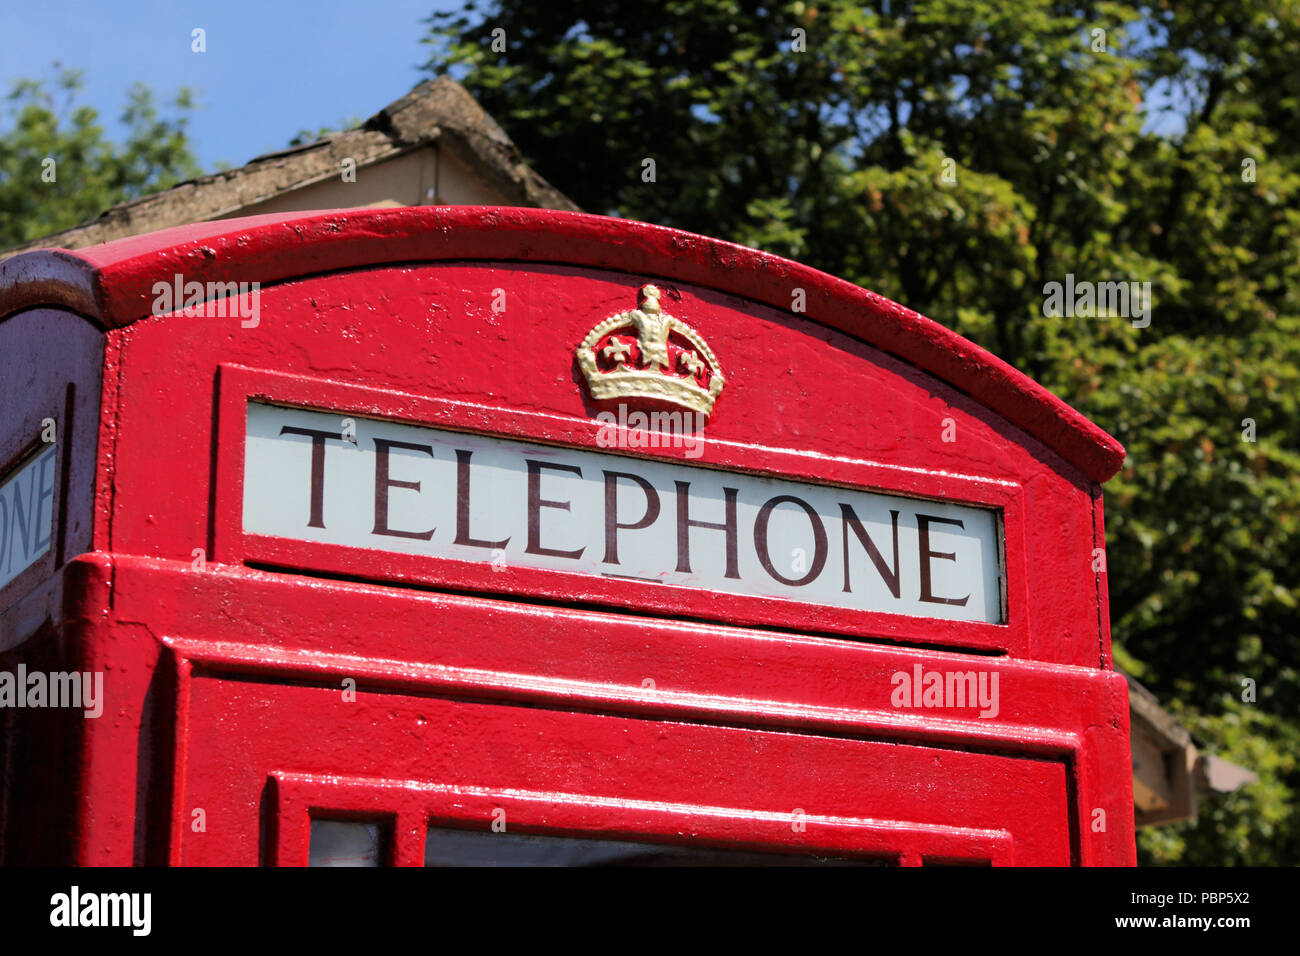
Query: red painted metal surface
<point>577,704</point>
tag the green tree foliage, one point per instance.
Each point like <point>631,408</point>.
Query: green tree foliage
<point>305,137</point>
<point>956,155</point>
<point>89,172</point>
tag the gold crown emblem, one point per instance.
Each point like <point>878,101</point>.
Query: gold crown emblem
<point>667,361</point>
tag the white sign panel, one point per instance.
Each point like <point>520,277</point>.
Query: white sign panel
<point>315,476</point>
<point>26,514</point>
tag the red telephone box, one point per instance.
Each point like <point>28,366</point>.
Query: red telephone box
<point>465,535</point>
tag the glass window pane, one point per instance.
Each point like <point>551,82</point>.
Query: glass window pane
<point>345,843</point>
<point>450,847</point>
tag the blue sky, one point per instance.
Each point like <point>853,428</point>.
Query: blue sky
<point>270,69</point>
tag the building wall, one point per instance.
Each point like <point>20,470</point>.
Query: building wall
<point>428,176</point>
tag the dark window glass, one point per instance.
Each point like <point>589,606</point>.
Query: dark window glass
<point>346,843</point>
<point>450,847</point>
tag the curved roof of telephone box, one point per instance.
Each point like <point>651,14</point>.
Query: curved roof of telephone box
<point>111,285</point>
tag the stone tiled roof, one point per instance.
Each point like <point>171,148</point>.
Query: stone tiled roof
<point>438,111</point>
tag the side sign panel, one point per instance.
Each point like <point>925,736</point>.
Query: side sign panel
<point>27,513</point>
